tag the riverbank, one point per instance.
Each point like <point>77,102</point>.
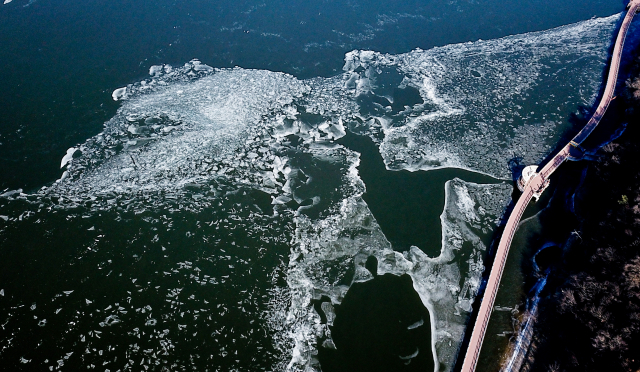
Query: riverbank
<point>590,318</point>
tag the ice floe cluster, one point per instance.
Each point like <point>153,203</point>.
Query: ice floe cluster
<point>257,151</point>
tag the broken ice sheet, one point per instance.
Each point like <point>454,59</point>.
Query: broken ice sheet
<point>447,284</point>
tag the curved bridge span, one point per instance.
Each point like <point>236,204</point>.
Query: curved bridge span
<point>534,187</point>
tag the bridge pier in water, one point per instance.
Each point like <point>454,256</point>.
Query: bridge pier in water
<point>528,173</point>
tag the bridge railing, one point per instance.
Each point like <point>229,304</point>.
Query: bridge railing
<point>508,235</point>
<point>513,221</point>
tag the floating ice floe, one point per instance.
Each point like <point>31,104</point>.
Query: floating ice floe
<point>10,193</point>
<point>411,356</point>
<point>416,324</point>
<point>485,101</point>
<point>67,157</point>
<point>193,137</point>
<point>119,93</point>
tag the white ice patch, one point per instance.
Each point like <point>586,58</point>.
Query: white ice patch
<point>411,356</point>
<point>11,193</point>
<point>155,70</point>
<point>417,324</point>
<point>67,157</point>
<point>212,118</point>
<point>119,93</point>
<point>445,292</point>
<point>487,101</point>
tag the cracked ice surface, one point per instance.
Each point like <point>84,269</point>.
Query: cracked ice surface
<point>486,101</point>
<point>193,138</point>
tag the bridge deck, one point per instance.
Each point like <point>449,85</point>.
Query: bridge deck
<point>535,184</point>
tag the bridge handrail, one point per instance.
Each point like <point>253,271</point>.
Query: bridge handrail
<point>493,284</point>
<point>509,237</point>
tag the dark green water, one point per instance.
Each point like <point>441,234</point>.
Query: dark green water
<point>405,203</point>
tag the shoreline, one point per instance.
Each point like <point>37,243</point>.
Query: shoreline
<point>588,316</point>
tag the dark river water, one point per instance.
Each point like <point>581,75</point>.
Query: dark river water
<point>277,186</point>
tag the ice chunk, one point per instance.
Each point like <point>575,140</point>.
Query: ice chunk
<point>110,320</point>
<point>11,193</point>
<point>329,312</point>
<point>416,324</point>
<point>328,344</point>
<point>411,356</point>
<point>155,70</point>
<point>119,93</point>
<point>478,121</point>
<point>67,157</point>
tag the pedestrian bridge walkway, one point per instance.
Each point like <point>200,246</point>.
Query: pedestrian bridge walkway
<point>537,182</point>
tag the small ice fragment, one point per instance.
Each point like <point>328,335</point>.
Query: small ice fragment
<point>67,292</point>
<point>68,157</point>
<point>155,70</point>
<point>415,354</point>
<point>6,218</point>
<point>111,320</point>
<point>281,200</point>
<point>7,1</point>
<point>328,344</point>
<point>91,228</point>
<point>151,322</point>
<point>88,302</point>
<point>416,324</point>
<point>119,93</point>
<point>324,127</point>
<point>2,292</point>
<point>10,193</point>
<point>65,174</point>
<point>202,67</point>
<point>329,312</point>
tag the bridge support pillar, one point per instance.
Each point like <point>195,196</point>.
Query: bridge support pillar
<point>529,173</point>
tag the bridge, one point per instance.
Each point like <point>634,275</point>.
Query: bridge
<point>536,184</point>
